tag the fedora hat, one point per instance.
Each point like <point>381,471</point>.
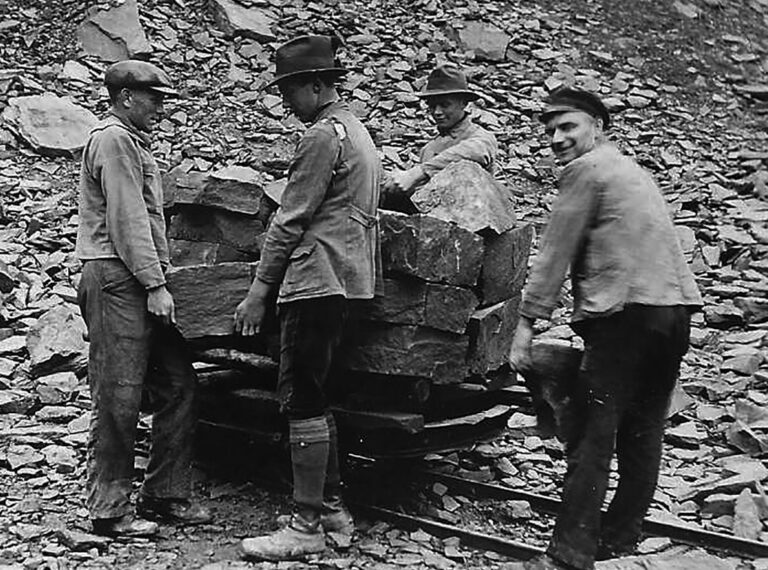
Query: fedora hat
<point>567,99</point>
<point>307,54</point>
<point>447,79</point>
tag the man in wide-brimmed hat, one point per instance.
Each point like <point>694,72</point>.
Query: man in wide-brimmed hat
<point>134,346</point>
<point>632,295</point>
<point>321,253</point>
<point>459,137</point>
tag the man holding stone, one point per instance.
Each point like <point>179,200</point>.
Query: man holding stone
<point>459,137</point>
<point>134,347</point>
<point>321,253</point>
<point>633,293</point>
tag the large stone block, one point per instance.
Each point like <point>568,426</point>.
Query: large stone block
<point>53,126</point>
<point>235,189</point>
<point>486,41</point>
<point>405,350</point>
<point>206,297</point>
<point>430,249</point>
<point>235,19</point>
<point>196,223</point>
<point>184,253</point>
<point>115,33</point>
<point>466,194</point>
<point>414,302</point>
<point>505,264</point>
<point>490,333</point>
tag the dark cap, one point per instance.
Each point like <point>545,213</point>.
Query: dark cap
<point>567,99</point>
<point>447,79</point>
<point>307,54</point>
<point>136,74</point>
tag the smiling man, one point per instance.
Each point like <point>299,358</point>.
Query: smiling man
<point>632,295</point>
<point>134,347</point>
<point>459,138</point>
<point>320,254</point>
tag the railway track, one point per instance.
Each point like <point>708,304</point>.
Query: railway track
<point>678,533</point>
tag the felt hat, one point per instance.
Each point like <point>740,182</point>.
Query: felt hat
<point>447,79</point>
<point>307,54</point>
<point>567,99</point>
<point>137,74</point>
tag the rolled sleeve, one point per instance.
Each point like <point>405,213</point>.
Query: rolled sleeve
<point>119,169</point>
<point>308,179</point>
<point>571,214</point>
<point>480,148</point>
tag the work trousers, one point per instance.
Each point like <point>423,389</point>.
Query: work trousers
<point>628,372</point>
<point>131,356</point>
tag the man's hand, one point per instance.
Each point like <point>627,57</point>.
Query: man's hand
<point>406,180</point>
<point>160,305</point>
<point>250,312</point>
<point>520,352</point>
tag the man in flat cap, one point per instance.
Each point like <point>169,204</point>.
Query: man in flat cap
<point>134,347</point>
<point>633,293</point>
<point>459,137</point>
<point>320,255</point>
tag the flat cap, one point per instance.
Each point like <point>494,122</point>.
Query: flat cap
<point>136,74</point>
<point>567,99</point>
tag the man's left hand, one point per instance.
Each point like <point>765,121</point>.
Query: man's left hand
<point>520,352</point>
<point>406,180</point>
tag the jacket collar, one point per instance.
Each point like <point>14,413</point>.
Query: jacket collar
<point>326,109</point>
<point>142,138</point>
<point>458,129</point>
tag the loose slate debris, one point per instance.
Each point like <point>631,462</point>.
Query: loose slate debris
<point>56,342</point>
<point>236,19</point>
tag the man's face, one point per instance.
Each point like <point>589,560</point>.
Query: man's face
<point>143,108</point>
<point>446,110</point>
<point>299,97</point>
<point>571,134</point>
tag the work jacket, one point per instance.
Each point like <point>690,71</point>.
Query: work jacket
<point>464,141</point>
<point>324,239</point>
<point>611,226</point>
<point>120,204</point>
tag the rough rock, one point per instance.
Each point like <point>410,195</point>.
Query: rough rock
<point>55,342</point>
<point>685,435</point>
<point>81,541</point>
<point>12,345</point>
<point>114,34</point>
<point>16,401</point>
<point>56,388</point>
<point>63,459</point>
<point>414,302</point>
<point>430,249</point>
<point>234,188</point>
<point>234,19</point>
<point>22,455</point>
<point>464,193</point>
<point>206,297</point>
<point>404,350</point>
<point>53,126</point>
<point>505,264</point>
<point>75,71</point>
<point>696,560</point>
<point>238,231</point>
<point>755,308</point>
<point>746,518</point>
<point>185,252</point>
<point>486,41</point>
<point>490,333</point>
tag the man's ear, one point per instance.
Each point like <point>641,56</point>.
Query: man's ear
<point>125,97</point>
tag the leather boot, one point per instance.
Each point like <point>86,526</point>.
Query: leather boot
<point>335,516</point>
<point>298,539</point>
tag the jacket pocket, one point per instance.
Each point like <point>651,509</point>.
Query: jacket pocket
<point>299,264</point>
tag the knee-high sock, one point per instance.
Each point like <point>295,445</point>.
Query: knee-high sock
<point>310,441</point>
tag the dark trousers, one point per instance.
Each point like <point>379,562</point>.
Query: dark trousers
<point>310,332</point>
<point>131,355</point>
<point>630,366</point>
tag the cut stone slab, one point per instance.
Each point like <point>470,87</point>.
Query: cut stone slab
<point>414,302</point>
<point>430,249</point>
<point>490,335</point>
<point>236,20</point>
<point>466,194</point>
<point>206,297</point>
<point>486,41</point>
<point>53,126</point>
<point>238,231</point>
<point>505,264</point>
<point>55,342</point>
<point>234,188</point>
<point>114,34</point>
<point>404,350</point>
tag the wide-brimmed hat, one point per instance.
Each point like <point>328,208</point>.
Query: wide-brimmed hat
<point>447,79</point>
<point>137,74</point>
<point>568,99</point>
<point>307,54</point>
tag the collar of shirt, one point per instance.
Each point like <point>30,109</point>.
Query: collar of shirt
<point>458,129</point>
<point>326,109</point>
<point>143,138</point>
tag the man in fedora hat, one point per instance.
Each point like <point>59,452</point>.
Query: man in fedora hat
<point>130,315</point>
<point>459,137</point>
<point>633,292</point>
<point>320,255</point>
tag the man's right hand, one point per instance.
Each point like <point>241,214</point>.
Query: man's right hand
<point>160,305</point>
<point>520,351</point>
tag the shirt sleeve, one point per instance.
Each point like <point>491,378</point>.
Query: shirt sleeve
<point>309,176</point>
<point>118,167</point>
<point>481,148</point>
<point>571,215</point>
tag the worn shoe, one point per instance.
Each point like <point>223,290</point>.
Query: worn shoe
<point>173,511</point>
<point>292,542</point>
<point>340,522</point>
<point>125,525</point>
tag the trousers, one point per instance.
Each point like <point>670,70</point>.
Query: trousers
<point>133,359</point>
<point>628,372</point>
